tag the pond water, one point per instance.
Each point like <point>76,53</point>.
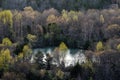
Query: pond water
<point>71,58</point>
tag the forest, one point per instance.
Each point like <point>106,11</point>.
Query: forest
<point>92,26</point>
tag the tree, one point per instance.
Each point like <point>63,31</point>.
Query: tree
<point>17,18</point>
<point>29,8</point>
<point>6,42</point>
<point>26,52</point>
<point>38,58</point>
<point>113,30</point>
<point>88,69</point>
<point>56,55</point>
<point>65,15</point>
<point>6,17</point>
<point>73,15</point>
<point>31,37</point>
<point>5,58</point>
<point>53,33</point>
<point>59,54</point>
<point>25,48</point>
<point>102,20</point>
<point>20,56</point>
<point>76,70</point>
<point>49,61</point>
<point>99,46</point>
<point>118,47</point>
<point>63,49</point>
<point>7,22</point>
<point>51,19</point>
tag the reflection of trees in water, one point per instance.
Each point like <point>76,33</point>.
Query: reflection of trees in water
<point>71,58</point>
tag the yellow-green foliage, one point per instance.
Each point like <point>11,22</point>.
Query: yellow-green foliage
<point>75,17</point>
<point>6,17</point>
<point>63,47</point>
<point>26,51</point>
<point>65,15</point>
<point>26,48</point>
<point>31,37</point>
<point>118,47</point>
<point>18,15</point>
<point>99,46</point>
<point>60,74</point>
<point>5,58</point>
<point>6,42</point>
<point>72,15</point>
<point>20,56</point>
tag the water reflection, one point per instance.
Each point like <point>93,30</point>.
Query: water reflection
<point>71,58</point>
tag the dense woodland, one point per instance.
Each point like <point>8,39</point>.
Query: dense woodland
<point>90,25</point>
<point>78,29</point>
<point>41,5</point>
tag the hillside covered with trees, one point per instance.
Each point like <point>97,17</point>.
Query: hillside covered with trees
<point>41,5</point>
<point>90,25</point>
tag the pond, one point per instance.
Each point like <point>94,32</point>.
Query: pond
<point>71,58</point>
